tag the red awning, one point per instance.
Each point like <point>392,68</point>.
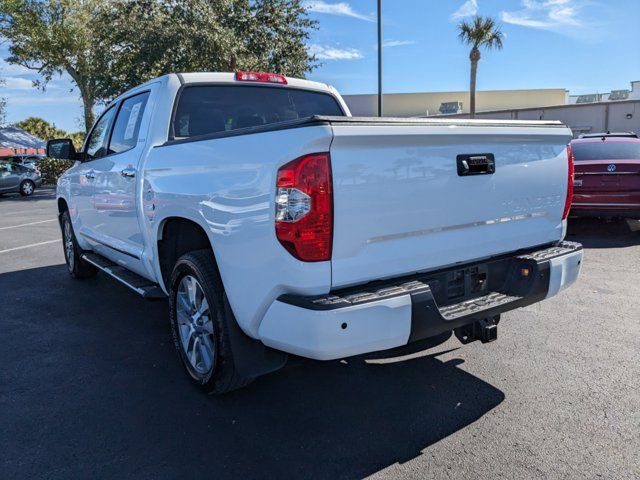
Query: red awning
<point>9,152</point>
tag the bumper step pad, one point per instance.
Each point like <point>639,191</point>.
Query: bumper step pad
<point>517,280</point>
<point>419,283</point>
<point>463,309</point>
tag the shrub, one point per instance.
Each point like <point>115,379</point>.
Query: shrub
<point>52,168</point>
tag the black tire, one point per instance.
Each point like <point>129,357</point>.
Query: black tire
<point>222,377</point>
<point>27,187</point>
<point>76,266</point>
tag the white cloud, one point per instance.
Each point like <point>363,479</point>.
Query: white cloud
<point>397,43</point>
<point>42,100</point>
<point>342,8</point>
<point>324,52</point>
<point>545,14</point>
<point>467,9</point>
<point>17,83</point>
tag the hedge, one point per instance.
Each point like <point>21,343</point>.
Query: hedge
<point>52,168</point>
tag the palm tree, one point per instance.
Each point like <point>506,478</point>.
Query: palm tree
<point>481,32</point>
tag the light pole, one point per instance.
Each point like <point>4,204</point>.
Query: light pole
<point>379,58</point>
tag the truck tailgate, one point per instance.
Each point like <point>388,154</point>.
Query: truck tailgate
<point>401,204</point>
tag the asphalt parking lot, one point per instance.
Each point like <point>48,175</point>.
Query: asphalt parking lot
<point>90,385</point>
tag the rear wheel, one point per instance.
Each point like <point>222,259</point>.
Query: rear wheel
<point>78,268</point>
<point>200,323</point>
<point>27,187</point>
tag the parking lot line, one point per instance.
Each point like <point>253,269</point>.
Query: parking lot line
<point>28,246</point>
<point>35,209</point>
<point>27,224</point>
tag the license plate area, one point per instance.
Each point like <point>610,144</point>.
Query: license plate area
<point>467,282</point>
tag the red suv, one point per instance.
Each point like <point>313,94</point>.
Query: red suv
<point>607,175</point>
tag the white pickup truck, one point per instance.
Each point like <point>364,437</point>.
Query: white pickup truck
<point>278,225</point>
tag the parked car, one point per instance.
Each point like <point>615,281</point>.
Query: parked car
<point>607,176</point>
<point>29,161</point>
<point>18,178</point>
<point>277,224</point>
<point>609,134</point>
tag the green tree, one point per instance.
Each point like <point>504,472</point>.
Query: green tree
<point>3,110</point>
<point>77,138</point>
<point>482,32</point>
<point>39,127</point>
<point>108,47</point>
<point>44,130</point>
<point>52,37</point>
<point>284,27</point>
<point>143,39</point>
<point>3,105</point>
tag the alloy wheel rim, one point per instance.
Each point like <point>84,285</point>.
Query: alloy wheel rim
<point>68,245</point>
<point>195,325</point>
<point>27,188</point>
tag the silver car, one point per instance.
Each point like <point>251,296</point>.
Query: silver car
<point>18,178</point>
<point>30,161</point>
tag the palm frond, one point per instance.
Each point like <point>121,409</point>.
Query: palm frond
<point>481,32</point>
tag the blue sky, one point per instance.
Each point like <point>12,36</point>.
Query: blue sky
<point>582,45</point>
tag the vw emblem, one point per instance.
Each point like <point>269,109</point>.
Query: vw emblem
<point>611,168</point>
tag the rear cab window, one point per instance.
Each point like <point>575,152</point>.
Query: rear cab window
<point>606,150</point>
<point>206,109</point>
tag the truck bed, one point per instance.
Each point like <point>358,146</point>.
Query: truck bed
<point>314,120</point>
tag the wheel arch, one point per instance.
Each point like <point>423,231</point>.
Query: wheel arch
<point>251,357</point>
<point>62,205</point>
<point>177,235</point>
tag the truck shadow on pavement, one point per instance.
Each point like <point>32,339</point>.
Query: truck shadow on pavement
<point>91,387</point>
<point>600,233</point>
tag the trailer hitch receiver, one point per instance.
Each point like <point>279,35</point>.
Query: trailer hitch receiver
<point>485,330</point>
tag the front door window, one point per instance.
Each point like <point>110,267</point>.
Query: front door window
<point>96,146</point>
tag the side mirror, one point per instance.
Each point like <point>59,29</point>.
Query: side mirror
<point>61,148</point>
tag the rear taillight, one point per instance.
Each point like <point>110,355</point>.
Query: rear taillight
<point>261,77</point>
<point>569,199</point>
<point>304,207</point>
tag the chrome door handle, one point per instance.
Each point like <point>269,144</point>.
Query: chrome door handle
<point>128,172</point>
<point>90,175</point>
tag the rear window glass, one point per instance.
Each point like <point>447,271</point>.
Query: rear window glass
<point>606,151</point>
<point>218,108</point>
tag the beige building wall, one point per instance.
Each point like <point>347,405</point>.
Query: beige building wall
<point>421,104</point>
<point>622,116</point>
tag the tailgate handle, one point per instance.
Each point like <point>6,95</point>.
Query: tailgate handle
<point>476,164</point>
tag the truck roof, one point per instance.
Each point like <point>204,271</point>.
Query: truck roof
<point>230,77</point>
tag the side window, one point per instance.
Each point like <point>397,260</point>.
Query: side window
<point>97,142</point>
<point>127,125</point>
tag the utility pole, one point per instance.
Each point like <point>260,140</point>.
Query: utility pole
<point>379,58</point>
